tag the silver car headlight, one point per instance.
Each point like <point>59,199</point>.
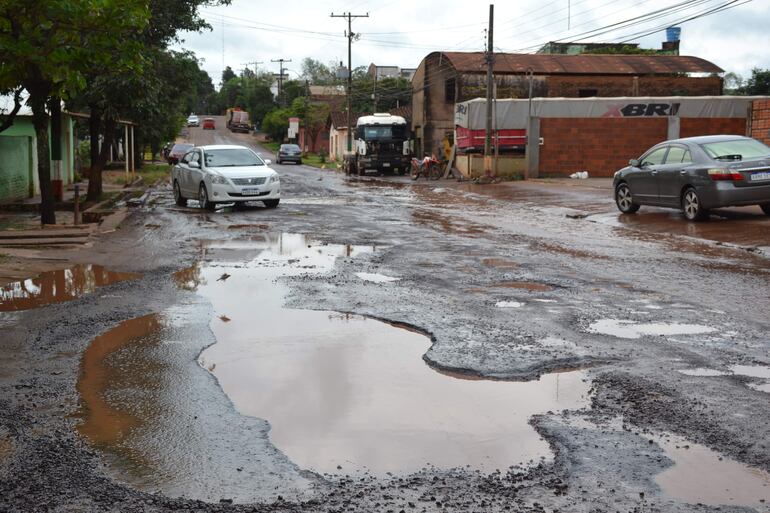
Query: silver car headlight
<point>274,179</point>
<point>219,180</point>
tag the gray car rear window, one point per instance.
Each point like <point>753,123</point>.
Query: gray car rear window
<point>746,148</point>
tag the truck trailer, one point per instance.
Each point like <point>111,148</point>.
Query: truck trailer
<point>237,120</point>
<point>381,145</point>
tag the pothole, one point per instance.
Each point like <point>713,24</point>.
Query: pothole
<point>376,278</point>
<point>345,392</point>
<point>58,286</point>
<point>632,329</point>
<point>700,475</point>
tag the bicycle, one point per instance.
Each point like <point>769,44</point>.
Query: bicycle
<point>428,166</point>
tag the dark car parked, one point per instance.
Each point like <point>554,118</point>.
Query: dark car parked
<point>289,153</point>
<point>178,151</point>
<point>696,174</point>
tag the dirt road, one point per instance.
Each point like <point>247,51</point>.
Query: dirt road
<point>376,345</point>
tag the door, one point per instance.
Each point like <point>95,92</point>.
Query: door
<point>671,175</point>
<point>643,182</point>
<point>185,180</point>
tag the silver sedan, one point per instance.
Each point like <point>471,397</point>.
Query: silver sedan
<point>696,174</point>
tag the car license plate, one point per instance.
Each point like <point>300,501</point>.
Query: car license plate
<point>386,164</point>
<point>758,177</point>
<point>250,192</point>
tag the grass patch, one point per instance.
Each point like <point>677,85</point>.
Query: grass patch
<point>272,146</point>
<point>151,173</point>
<point>314,160</point>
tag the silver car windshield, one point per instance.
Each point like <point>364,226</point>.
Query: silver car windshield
<point>736,149</point>
<point>232,158</point>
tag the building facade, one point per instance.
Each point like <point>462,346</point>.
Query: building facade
<point>446,78</point>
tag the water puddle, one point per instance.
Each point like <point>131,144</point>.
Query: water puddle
<point>344,392</point>
<point>509,304</point>
<point>105,423</point>
<point>376,278</point>
<point>752,371</point>
<point>57,286</point>
<point>632,329</point>
<point>700,475</point>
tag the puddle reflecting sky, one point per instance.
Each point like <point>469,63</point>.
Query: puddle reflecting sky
<point>349,391</point>
<point>57,286</point>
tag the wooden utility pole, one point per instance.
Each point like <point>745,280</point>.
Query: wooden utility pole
<point>490,58</point>
<point>350,36</point>
<point>280,78</point>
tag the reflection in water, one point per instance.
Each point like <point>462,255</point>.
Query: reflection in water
<point>355,392</point>
<point>103,421</point>
<point>57,286</point>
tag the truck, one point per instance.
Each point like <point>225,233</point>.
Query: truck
<point>237,120</point>
<point>381,145</point>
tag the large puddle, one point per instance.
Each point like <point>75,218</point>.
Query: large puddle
<point>347,392</point>
<point>57,286</point>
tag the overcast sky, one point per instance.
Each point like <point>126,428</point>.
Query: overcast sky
<point>401,32</point>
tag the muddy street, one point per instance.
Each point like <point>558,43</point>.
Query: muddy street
<point>377,344</point>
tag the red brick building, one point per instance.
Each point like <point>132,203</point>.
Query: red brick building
<point>446,78</point>
<point>599,135</point>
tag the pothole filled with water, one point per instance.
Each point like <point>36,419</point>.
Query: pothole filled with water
<point>57,286</point>
<point>700,475</point>
<point>343,391</point>
<point>632,329</point>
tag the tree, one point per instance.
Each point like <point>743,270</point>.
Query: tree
<point>317,73</point>
<point>276,123</point>
<point>47,46</point>
<point>227,75</point>
<point>758,83</point>
<point>732,83</point>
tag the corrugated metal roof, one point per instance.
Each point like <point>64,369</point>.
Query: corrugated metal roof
<point>591,64</point>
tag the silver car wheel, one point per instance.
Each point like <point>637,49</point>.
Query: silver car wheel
<point>624,199</point>
<point>203,199</point>
<point>691,206</point>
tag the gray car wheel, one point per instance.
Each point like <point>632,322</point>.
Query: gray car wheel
<point>203,199</point>
<point>692,207</point>
<point>624,200</point>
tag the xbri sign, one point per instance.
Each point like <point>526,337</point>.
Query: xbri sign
<point>635,110</point>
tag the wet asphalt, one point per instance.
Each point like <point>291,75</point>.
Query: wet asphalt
<point>563,256</point>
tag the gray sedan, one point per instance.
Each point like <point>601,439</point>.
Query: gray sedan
<point>696,174</point>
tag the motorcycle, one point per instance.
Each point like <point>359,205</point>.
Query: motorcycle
<point>429,166</point>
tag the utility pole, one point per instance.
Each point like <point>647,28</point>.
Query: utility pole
<point>490,58</point>
<point>256,64</point>
<point>280,78</point>
<point>350,36</point>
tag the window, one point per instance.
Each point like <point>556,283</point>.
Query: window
<point>587,93</point>
<point>449,90</point>
<point>736,149</point>
<point>655,157</point>
<point>232,158</point>
<point>676,155</point>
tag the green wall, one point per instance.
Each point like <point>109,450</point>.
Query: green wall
<point>16,171</point>
<point>18,158</point>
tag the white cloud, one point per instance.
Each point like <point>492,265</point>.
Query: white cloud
<point>402,32</point>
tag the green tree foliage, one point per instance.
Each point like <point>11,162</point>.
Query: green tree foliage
<point>227,75</point>
<point>47,48</point>
<point>276,122</point>
<point>758,83</point>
